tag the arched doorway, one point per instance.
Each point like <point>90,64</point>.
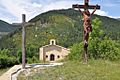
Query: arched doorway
<point>52,57</point>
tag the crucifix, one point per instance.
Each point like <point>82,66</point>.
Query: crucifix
<point>87,23</point>
<point>24,25</point>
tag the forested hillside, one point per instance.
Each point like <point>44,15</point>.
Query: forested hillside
<point>7,47</point>
<point>118,18</point>
<point>63,25</point>
<point>110,25</point>
<point>5,27</point>
<point>6,31</point>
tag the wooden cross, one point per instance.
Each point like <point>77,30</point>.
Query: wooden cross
<point>24,25</point>
<point>86,6</point>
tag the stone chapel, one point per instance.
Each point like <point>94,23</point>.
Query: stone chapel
<point>52,52</point>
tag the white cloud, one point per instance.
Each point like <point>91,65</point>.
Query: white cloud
<point>5,19</point>
<point>18,7</point>
<point>31,9</point>
<point>116,17</point>
<point>102,13</point>
<point>98,12</point>
<point>14,8</point>
<point>59,5</point>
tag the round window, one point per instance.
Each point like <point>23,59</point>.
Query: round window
<point>46,56</point>
<point>58,56</point>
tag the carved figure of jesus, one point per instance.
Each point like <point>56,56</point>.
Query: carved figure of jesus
<point>87,24</point>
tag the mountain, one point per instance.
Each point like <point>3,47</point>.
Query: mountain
<point>6,28</point>
<point>111,26</point>
<point>118,18</point>
<point>66,26</point>
<point>6,31</point>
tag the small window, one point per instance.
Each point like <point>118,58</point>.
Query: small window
<point>58,56</point>
<point>46,56</point>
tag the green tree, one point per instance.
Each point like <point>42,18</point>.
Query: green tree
<point>100,46</point>
<point>76,52</point>
<point>6,59</point>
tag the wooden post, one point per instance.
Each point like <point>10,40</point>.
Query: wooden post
<point>24,25</point>
<point>23,41</point>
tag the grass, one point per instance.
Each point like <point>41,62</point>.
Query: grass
<point>3,70</point>
<point>75,70</point>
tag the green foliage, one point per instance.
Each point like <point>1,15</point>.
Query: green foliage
<point>6,31</point>
<point>19,55</point>
<point>109,25</point>
<point>105,49</point>
<point>31,54</point>
<point>6,59</point>
<point>100,46</point>
<point>34,59</point>
<point>108,49</point>
<point>76,52</point>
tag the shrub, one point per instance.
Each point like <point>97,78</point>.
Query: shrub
<point>76,52</point>
<point>100,47</point>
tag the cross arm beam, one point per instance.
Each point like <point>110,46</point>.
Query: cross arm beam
<point>86,6</point>
<point>28,24</point>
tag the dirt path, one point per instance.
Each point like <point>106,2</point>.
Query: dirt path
<point>12,73</point>
<point>7,75</point>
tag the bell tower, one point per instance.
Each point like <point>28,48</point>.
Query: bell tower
<point>52,42</point>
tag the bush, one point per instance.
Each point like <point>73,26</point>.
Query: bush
<point>6,59</point>
<point>32,60</point>
<point>76,52</point>
<point>100,47</point>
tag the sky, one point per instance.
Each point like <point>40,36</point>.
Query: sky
<point>11,10</point>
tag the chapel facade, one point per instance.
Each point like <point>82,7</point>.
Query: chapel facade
<point>52,52</point>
